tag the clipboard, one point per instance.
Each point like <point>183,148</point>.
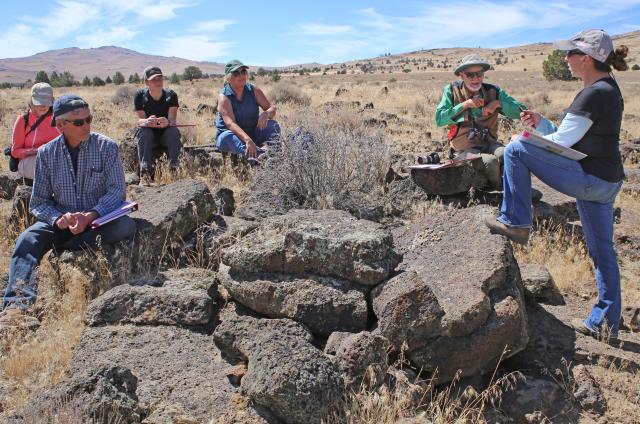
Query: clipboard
<point>436,166</point>
<point>539,141</point>
<point>124,209</point>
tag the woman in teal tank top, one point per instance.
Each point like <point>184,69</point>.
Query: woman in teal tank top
<point>242,129</point>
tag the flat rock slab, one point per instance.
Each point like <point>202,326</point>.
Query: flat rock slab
<point>459,300</point>
<point>322,242</point>
<point>286,374</point>
<point>324,304</point>
<point>172,211</point>
<point>451,180</point>
<point>554,206</point>
<point>178,297</point>
<point>539,285</point>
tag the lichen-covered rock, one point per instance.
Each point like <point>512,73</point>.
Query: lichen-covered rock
<point>286,374</point>
<point>324,304</point>
<point>178,297</point>
<point>325,242</point>
<point>9,181</point>
<point>458,304</point>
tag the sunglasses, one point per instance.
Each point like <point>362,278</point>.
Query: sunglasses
<point>478,74</point>
<point>80,122</point>
<point>242,71</point>
<point>574,51</point>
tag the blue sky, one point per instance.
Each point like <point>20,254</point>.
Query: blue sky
<point>283,33</point>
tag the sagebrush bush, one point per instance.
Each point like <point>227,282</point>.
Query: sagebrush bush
<point>286,93</point>
<point>123,95</point>
<point>326,167</point>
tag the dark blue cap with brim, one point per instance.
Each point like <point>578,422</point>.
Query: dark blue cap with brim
<point>65,104</point>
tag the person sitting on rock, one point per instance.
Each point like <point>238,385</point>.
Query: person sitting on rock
<point>241,128</point>
<point>33,129</point>
<point>157,109</point>
<point>79,177</point>
<point>470,108</point>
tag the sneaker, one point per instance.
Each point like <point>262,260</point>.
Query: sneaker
<point>516,234</point>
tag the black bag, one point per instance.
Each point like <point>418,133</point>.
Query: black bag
<point>13,162</point>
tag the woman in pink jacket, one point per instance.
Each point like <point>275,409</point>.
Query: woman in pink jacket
<point>33,129</point>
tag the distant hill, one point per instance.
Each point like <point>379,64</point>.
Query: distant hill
<point>105,61</point>
<point>101,61</point>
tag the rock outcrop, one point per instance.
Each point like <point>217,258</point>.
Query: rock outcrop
<point>458,304</point>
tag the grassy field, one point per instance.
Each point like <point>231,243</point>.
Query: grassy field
<point>405,102</point>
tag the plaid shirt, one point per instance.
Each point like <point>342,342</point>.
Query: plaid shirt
<point>98,184</point>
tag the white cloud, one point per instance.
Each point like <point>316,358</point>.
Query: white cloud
<point>322,29</point>
<point>66,18</point>
<point>194,47</point>
<point>111,37</point>
<point>20,41</point>
<point>215,26</point>
<point>147,11</point>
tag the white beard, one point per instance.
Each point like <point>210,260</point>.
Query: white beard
<point>473,87</point>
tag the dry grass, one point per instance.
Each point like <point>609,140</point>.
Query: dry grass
<point>563,254</point>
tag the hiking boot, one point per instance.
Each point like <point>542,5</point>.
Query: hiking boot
<point>581,327</point>
<point>517,234</point>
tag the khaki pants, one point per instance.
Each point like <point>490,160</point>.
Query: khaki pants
<point>27,167</point>
<point>492,158</point>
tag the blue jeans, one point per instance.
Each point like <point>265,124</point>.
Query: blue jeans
<point>594,199</point>
<point>227,141</point>
<point>41,237</point>
<point>149,139</point>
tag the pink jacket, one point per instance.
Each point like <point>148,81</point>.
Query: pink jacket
<point>44,133</point>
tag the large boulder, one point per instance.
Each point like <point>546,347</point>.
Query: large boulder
<point>177,297</point>
<point>458,302</point>
<point>303,388</point>
<point>322,242</point>
<point>172,211</point>
<point>324,304</point>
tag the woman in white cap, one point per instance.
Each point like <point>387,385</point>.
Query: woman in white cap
<point>33,129</point>
<point>591,126</point>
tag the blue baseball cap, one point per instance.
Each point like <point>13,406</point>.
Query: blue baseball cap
<point>65,104</point>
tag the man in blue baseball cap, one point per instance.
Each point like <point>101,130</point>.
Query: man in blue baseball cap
<point>78,178</point>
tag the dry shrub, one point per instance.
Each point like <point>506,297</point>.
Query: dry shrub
<point>286,93</point>
<point>562,253</point>
<point>326,168</point>
<point>123,95</point>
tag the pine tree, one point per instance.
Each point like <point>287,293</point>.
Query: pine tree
<point>108,80</point>
<point>42,77</point>
<point>174,78</point>
<point>136,78</point>
<point>118,78</point>
<point>97,81</point>
<point>86,81</point>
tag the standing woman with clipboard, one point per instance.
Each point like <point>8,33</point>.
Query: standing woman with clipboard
<point>591,126</point>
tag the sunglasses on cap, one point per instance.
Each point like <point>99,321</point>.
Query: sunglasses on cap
<point>478,74</point>
<point>242,71</point>
<point>575,51</point>
<point>80,122</point>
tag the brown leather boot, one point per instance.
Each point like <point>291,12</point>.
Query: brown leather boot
<point>517,234</point>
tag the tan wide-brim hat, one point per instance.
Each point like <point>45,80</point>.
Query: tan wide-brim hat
<point>472,60</point>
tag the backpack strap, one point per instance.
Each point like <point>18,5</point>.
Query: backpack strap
<point>35,124</point>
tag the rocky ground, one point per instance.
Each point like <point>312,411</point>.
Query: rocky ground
<point>280,319</point>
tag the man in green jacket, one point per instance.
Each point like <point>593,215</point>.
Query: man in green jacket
<point>470,108</point>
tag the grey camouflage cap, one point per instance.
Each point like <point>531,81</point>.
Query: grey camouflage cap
<point>594,42</point>
<point>41,94</point>
<point>471,60</point>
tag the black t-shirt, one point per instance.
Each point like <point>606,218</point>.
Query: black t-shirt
<point>159,108</point>
<point>602,103</point>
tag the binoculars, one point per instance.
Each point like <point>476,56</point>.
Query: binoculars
<point>430,159</point>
